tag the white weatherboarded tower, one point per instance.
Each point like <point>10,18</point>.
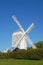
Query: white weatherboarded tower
<point>22,44</point>
<point>20,38</point>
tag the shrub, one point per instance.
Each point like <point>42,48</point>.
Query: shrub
<point>33,54</point>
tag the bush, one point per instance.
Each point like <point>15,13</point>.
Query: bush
<point>1,55</point>
<point>32,54</point>
<point>20,54</point>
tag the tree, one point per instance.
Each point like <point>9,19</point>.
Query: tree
<point>39,44</point>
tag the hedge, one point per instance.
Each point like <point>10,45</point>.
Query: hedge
<point>32,54</point>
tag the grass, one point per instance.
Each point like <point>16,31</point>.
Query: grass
<point>20,62</point>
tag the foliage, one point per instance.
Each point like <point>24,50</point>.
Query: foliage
<point>32,54</point>
<point>39,44</point>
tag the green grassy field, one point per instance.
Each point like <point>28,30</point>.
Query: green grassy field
<point>20,62</point>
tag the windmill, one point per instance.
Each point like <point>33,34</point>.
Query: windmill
<point>20,38</point>
<point>5,50</point>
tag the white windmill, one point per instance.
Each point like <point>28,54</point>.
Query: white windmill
<point>20,38</point>
<point>5,50</point>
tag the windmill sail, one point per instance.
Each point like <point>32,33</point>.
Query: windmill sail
<point>24,33</point>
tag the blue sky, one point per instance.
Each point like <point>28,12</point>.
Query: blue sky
<point>26,11</point>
